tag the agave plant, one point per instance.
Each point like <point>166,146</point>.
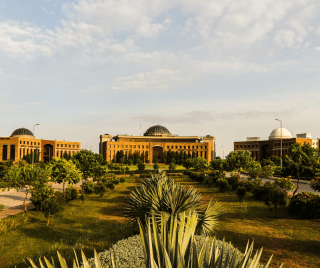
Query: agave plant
<point>163,197</point>
<point>63,263</point>
<point>174,246</point>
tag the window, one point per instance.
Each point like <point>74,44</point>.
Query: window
<point>248,146</point>
<point>192,147</point>
<point>58,145</point>
<point>27,142</point>
<point>77,146</point>
<point>171,147</point>
<point>205,147</point>
<point>197,146</point>
<point>31,143</point>
<point>180,147</point>
<point>69,145</point>
<point>201,146</point>
<point>241,146</point>
<point>168,147</point>
<point>134,146</point>
<point>188,147</point>
<point>73,146</point>
<point>139,146</point>
<point>65,145</point>
<point>256,145</point>
<point>176,147</point>
<point>38,143</point>
<point>126,146</point>
<point>286,144</point>
<point>184,147</point>
<point>237,146</point>
<point>20,142</point>
<point>130,146</point>
<point>142,146</point>
<point>245,146</point>
<point>147,146</point>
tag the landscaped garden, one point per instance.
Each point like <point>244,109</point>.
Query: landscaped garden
<point>97,215</point>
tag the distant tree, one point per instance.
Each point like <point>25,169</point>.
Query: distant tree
<point>156,166</point>
<point>155,160</point>
<point>172,166</point>
<point>188,163</point>
<point>200,164</point>
<point>67,156</point>
<point>28,157</point>
<point>193,154</point>
<point>219,164</point>
<point>239,160</point>
<point>141,166</point>
<point>64,171</point>
<point>4,168</point>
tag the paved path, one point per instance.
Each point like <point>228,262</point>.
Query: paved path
<point>13,200</point>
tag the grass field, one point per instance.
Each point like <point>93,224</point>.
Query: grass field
<point>99,223</point>
<point>162,166</point>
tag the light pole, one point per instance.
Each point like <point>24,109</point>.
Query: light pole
<point>33,144</point>
<point>280,143</point>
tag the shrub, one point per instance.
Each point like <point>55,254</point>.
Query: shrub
<point>1,207</point>
<point>223,185</point>
<point>156,166</point>
<point>51,206</point>
<point>241,192</point>
<point>116,181</point>
<point>58,196</point>
<point>172,166</point>
<point>122,179</point>
<point>40,193</point>
<point>276,197</point>
<point>141,167</point>
<point>100,189</point>
<point>12,222</point>
<point>306,205</point>
<point>284,184</point>
<point>196,176</point>
<point>89,187</point>
<point>110,185</point>
<point>315,184</point>
<point>71,193</point>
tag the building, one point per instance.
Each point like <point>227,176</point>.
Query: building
<point>155,143</point>
<point>22,142</point>
<point>263,149</point>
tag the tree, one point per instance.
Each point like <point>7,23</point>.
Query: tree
<point>155,160</point>
<point>218,164</point>
<point>172,166</point>
<point>51,206</point>
<point>256,171</point>
<point>239,160</point>
<point>156,166</point>
<point>141,166</point>
<point>315,184</point>
<point>67,156</point>
<point>24,177</point>
<point>28,157</point>
<point>88,163</point>
<point>4,167</point>
<point>188,163</point>
<point>64,171</point>
<point>277,198</point>
<point>200,164</point>
<point>300,158</point>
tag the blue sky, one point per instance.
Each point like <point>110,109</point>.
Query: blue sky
<point>226,68</point>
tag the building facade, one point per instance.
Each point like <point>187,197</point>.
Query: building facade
<point>263,149</point>
<point>22,142</point>
<point>155,143</point>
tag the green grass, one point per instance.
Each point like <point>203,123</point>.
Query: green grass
<point>294,242</point>
<point>162,166</point>
<point>97,224</point>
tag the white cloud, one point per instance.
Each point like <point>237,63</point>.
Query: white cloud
<point>317,48</point>
<point>92,89</point>
<point>161,79</point>
<point>47,11</point>
<point>26,104</point>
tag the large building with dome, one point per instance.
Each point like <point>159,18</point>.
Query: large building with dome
<point>263,149</point>
<point>155,143</point>
<point>23,142</point>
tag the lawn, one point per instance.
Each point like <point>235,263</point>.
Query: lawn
<point>99,223</point>
<point>148,166</point>
<point>294,242</point>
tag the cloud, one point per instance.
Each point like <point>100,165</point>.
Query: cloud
<point>26,104</point>
<point>317,48</point>
<point>161,79</point>
<point>47,11</point>
<point>7,106</point>
<point>92,89</point>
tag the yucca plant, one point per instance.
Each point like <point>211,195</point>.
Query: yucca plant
<point>63,263</point>
<point>160,195</point>
<point>173,246</point>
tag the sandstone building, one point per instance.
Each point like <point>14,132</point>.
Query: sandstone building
<point>22,142</point>
<point>155,143</point>
<point>263,149</point>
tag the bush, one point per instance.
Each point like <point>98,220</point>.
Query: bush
<point>51,206</point>
<point>59,196</point>
<point>12,222</point>
<point>141,167</point>
<point>172,166</point>
<point>115,181</point>
<point>100,189</point>
<point>196,176</point>
<point>110,185</point>
<point>306,205</point>
<point>89,187</point>
<point>223,185</point>
<point>241,192</point>
<point>122,179</point>
<point>71,193</point>
<point>40,193</point>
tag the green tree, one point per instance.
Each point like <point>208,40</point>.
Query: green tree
<point>239,160</point>
<point>141,166</point>
<point>172,166</point>
<point>315,184</point>
<point>299,159</point>
<point>28,157</point>
<point>200,164</point>
<point>219,164</point>
<point>156,166</point>
<point>51,207</point>
<point>188,163</point>
<point>4,168</point>
<point>155,160</point>
<point>88,163</point>
<point>64,171</point>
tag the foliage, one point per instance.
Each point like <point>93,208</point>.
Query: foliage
<point>219,164</point>
<point>160,195</point>
<point>50,207</point>
<point>64,171</point>
<point>213,176</point>
<point>172,166</point>
<point>197,176</point>
<point>39,193</point>
<point>174,246</point>
<point>255,170</point>
<point>239,160</point>
<point>141,167</point>
<point>100,189</point>
<point>71,193</point>
<point>241,192</point>
<point>315,184</point>
<point>223,185</point>
<point>88,187</point>
<point>1,207</point>
<point>28,157</point>
<point>4,168</point>
<point>122,179</point>
<point>12,222</point>
<point>156,166</point>
<point>306,205</point>
<point>276,197</point>
<point>285,184</point>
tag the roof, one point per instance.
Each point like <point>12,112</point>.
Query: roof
<point>21,132</point>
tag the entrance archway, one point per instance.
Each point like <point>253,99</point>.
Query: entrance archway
<point>265,154</point>
<point>47,153</point>
<point>157,152</point>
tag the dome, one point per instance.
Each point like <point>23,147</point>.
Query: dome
<point>157,131</point>
<point>22,132</point>
<point>276,134</point>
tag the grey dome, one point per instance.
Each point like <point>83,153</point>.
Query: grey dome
<point>157,131</point>
<point>21,132</point>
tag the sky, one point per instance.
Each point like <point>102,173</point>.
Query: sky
<point>228,68</point>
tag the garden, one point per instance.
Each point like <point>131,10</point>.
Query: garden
<point>159,219</point>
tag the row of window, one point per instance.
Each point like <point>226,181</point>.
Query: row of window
<point>185,147</point>
<point>277,144</point>
<point>61,153</point>
<point>245,146</point>
<point>128,146</point>
<point>31,142</point>
<point>66,145</point>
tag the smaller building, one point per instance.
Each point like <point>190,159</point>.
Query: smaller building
<point>23,142</point>
<point>263,149</point>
